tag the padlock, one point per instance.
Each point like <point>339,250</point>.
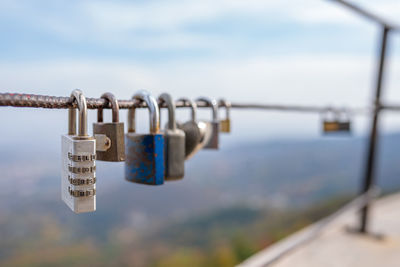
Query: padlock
<point>174,140</point>
<point>225,124</point>
<point>144,160</point>
<point>78,178</point>
<point>109,135</point>
<point>196,133</point>
<point>213,142</point>
<point>336,123</point>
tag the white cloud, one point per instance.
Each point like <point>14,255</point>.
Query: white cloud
<point>158,25</point>
<point>299,79</point>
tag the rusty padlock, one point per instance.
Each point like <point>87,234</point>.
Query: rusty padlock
<point>197,133</point>
<point>225,124</point>
<point>110,144</point>
<point>144,161</point>
<point>174,140</point>
<point>336,122</point>
<point>213,141</point>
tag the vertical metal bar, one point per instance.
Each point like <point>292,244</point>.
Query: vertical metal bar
<point>369,178</point>
<point>72,121</point>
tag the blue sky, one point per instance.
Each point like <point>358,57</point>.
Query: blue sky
<point>150,31</point>
<point>297,51</point>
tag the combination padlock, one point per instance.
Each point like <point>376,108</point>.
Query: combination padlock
<point>225,124</point>
<point>78,178</point>
<point>213,142</point>
<point>109,135</point>
<point>144,160</point>
<point>197,133</point>
<point>174,139</point>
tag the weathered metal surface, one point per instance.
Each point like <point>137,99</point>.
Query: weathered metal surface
<point>174,154</point>
<point>225,124</point>
<point>145,162</point>
<point>103,143</point>
<point>114,131</point>
<point>213,141</point>
<point>174,143</point>
<point>192,137</point>
<point>61,102</point>
<point>336,126</point>
<point>205,136</point>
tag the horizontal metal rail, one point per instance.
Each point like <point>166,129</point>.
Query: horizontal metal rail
<point>294,241</point>
<point>367,14</point>
<point>391,107</point>
<point>59,102</point>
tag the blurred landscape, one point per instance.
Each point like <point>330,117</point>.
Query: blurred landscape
<point>230,204</point>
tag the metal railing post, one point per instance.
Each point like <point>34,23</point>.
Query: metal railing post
<point>369,178</point>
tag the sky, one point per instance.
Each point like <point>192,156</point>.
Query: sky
<point>287,52</point>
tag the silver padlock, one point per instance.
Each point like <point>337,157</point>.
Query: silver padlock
<point>78,177</point>
<point>213,142</point>
<point>225,124</point>
<point>197,133</point>
<point>174,143</point>
<point>110,136</point>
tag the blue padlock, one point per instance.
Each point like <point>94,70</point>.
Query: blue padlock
<point>144,163</point>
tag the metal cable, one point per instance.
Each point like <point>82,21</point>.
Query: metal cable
<point>60,102</point>
<point>367,14</point>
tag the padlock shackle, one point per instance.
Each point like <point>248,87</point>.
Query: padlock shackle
<point>213,104</point>
<point>227,104</point>
<point>331,114</point>
<point>80,99</point>
<point>167,99</point>
<point>114,106</point>
<point>193,106</point>
<point>154,115</point>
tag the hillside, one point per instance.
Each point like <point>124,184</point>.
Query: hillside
<point>230,204</point>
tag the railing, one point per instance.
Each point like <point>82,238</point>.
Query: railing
<point>369,179</point>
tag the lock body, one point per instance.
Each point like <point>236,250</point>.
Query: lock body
<point>213,141</point>
<point>115,132</point>
<point>174,143</point>
<point>174,154</point>
<point>144,162</point>
<point>335,126</point>
<point>78,178</point>
<point>225,126</point>
<point>213,126</point>
<point>192,137</point>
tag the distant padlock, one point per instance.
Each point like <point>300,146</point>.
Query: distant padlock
<point>213,142</point>
<point>174,139</point>
<point>109,135</point>
<point>336,122</point>
<point>78,178</point>
<point>195,132</point>
<point>225,124</point>
<point>144,161</point>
